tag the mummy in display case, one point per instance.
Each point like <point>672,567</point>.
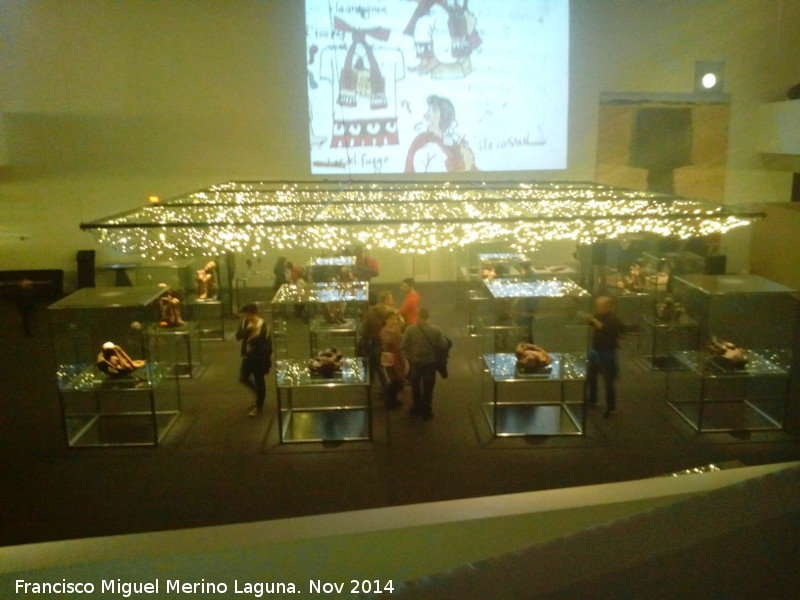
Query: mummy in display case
<point>115,362</point>
<point>659,281</point>
<point>205,281</point>
<point>334,312</point>
<point>327,363</point>
<point>727,354</point>
<point>169,311</point>
<point>532,358</point>
<point>634,280</point>
<point>668,311</point>
<point>488,273</point>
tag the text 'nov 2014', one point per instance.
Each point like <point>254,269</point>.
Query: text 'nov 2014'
<point>255,589</point>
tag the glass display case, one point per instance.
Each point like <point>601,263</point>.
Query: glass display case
<point>473,267</point>
<point>487,265</point>
<point>738,375</point>
<point>314,408</point>
<point>544,397</point>
<point>543,311</point>
<point>115,388</point>
<point>209,316</point>
<point>659,269</point>
<point>501,265</point>
<point>176,275</point>
<point>322,269</point>
<point>631,307</point>
<point>254,280</point>
<point>561,270</point>
<point>547,402</point>
<point>656,273</point>
<point>476,307</point>
<point>116,274</point>
<point>466,272</point>
<point>310,318</point>
<point>307,320</point>
<point>179,348</point>
<point>665,330</point>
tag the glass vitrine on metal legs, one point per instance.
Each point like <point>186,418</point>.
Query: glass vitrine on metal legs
<point>547,398</point>
<point>115,387</point>
<point>738,376</point>
<point>313,408</point>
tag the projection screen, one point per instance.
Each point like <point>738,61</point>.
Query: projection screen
<point>437,86</point>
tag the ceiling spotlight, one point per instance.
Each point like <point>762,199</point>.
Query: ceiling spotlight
<point>708,77</point>
<point>709,80</point>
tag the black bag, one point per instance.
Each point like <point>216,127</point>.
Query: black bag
<point>442,357</point>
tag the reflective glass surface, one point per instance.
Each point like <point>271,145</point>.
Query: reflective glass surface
<point>296,373</point>
<point>542,288</point>
<point>568,366</point>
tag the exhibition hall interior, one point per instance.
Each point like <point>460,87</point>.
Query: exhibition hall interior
<point>495,298</point>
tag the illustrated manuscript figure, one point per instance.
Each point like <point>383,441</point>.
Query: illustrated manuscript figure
<point>444,38</point>
<point>435,150</point>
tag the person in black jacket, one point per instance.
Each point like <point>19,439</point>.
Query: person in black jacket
<point>256,354</point>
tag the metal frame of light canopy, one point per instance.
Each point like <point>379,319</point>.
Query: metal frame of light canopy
<point>258,216</point>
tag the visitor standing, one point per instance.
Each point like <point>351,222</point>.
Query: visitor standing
<point>256,353</point>
<point>279,272</point>
<point>393,360</point>
<point>410,307</point>
<point>423,344</point>
<point>373,321</point>
<point>602,357</point>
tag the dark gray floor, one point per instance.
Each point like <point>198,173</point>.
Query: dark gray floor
<point>219,466</point>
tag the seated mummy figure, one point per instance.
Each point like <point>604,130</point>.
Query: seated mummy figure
<point>115,362</point>
<point>169,311</point>
<point>205,281</point>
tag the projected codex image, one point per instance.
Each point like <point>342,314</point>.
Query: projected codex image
<point>437,86</point>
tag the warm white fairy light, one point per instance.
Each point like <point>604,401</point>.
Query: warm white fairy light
<point>408,218</point>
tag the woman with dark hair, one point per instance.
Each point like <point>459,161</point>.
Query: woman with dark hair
<point>436,150</point>
<point>447,112</point>
<point>256,353</point>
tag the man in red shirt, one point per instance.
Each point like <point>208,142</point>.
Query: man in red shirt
<point>411,302</point>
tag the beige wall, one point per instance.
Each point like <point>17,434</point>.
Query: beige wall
<point>104,103</point>
<point>776,244</point>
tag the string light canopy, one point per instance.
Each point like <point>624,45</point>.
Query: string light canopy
<point>258,217</point>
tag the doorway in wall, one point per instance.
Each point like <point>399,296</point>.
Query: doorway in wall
<point>667,145</point>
